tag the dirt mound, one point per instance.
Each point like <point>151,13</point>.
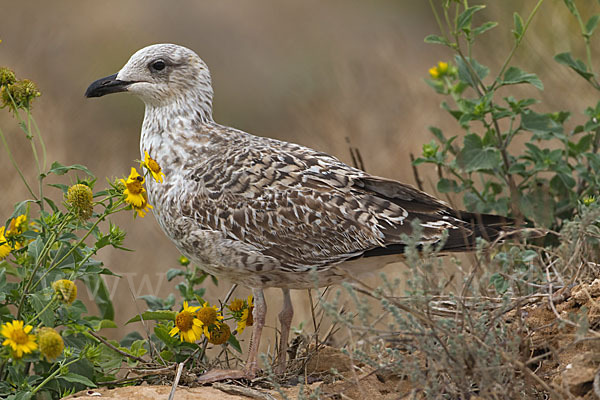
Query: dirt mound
<point>562,341</point>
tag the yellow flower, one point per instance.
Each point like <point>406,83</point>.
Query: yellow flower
<point>65,290</point>
<point>442,67</point>
<point>188,327</point>
<point>17,225</point>
<point>236,305</point>
<point>135,194</point>
<point>4,246</point>
<point>18,338</point>
<point>209,318</point>
<point>587,200</point>
<point>220,334</point>
<point>247,318</point>
<point>439,70</point>
<point>151,165</point>
<point>51,343</point>
<point>433,72</point>
<point>81,200</point>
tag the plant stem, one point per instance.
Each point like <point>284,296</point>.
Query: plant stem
<point>42,144</point>
<point>512,186</point>
<point>52,375</point>
<point>14,163</point>
<point>38,263</point>
<point>517,43</point>
<point>438,20</point>
<point>79,242</point>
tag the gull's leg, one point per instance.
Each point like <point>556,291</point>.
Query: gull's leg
<point>259,315</point>
<point>285,318</point>
<point>249,371</point>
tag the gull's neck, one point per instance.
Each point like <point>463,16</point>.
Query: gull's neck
<point>171,128</point>
<point>194,107</point>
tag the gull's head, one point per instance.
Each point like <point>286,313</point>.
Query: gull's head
<point>161,74</point>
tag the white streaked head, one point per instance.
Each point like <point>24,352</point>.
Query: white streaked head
<point>161,74</point>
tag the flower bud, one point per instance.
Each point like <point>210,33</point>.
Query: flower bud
<point>50,343</point>
<point>80,200</point>
<point>65,290</point>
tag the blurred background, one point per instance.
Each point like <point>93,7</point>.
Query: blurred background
<point>312,72</point>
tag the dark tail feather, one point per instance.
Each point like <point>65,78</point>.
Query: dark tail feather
<point>488,227</point>
<point>485,226</point>
<point>471,226</point>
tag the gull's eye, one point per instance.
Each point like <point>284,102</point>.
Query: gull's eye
<point>158,65</point>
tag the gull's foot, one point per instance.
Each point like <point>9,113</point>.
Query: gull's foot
<point>217,375</point>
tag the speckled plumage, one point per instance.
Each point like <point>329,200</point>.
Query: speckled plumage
<point>263,212</point>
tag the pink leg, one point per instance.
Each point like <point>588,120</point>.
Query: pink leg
<point>249,371</point>
<point>285,319</point>
<point>260,312</point>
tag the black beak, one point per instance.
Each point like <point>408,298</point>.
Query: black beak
<point>107,85</point>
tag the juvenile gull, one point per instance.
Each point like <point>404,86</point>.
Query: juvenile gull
<point>262,212</point>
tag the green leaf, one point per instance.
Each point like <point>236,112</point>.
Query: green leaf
<point>21,395</point>
<point>154,303</point>
<point>519,30</point>
<point>167,355</point>
<point>162,315</point>
<point>445,185</point>
<point>564,180</point>
<point>435,39</point>
<point>437,85</point>
<point>38,302</point>
<point>499,282</point>
<point>583,145</point>
<point>63,187</point>
<point>162,332</point>
<point>130,338</point>
<point>174,272</point>
<point>51,204</point>
<point>571,6</point>
<point>75,378</point>
<point>34,249</point>
<point>576,65</point>
<point>515,75</point>
<point>464,73</point>
<point>137,348</point>
<point>59,169</point>
<point>541,125</point>
<point>484,28</point>
<point>464,19</point>
<point>98,289</point>
<point>591,25</point>
<point>234,343</point>
<point>104,323</point>
<point>475,157</point>
<point>437,132</point>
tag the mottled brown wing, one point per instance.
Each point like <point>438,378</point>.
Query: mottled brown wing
<point>301,228</point>
<point>302,217</point>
